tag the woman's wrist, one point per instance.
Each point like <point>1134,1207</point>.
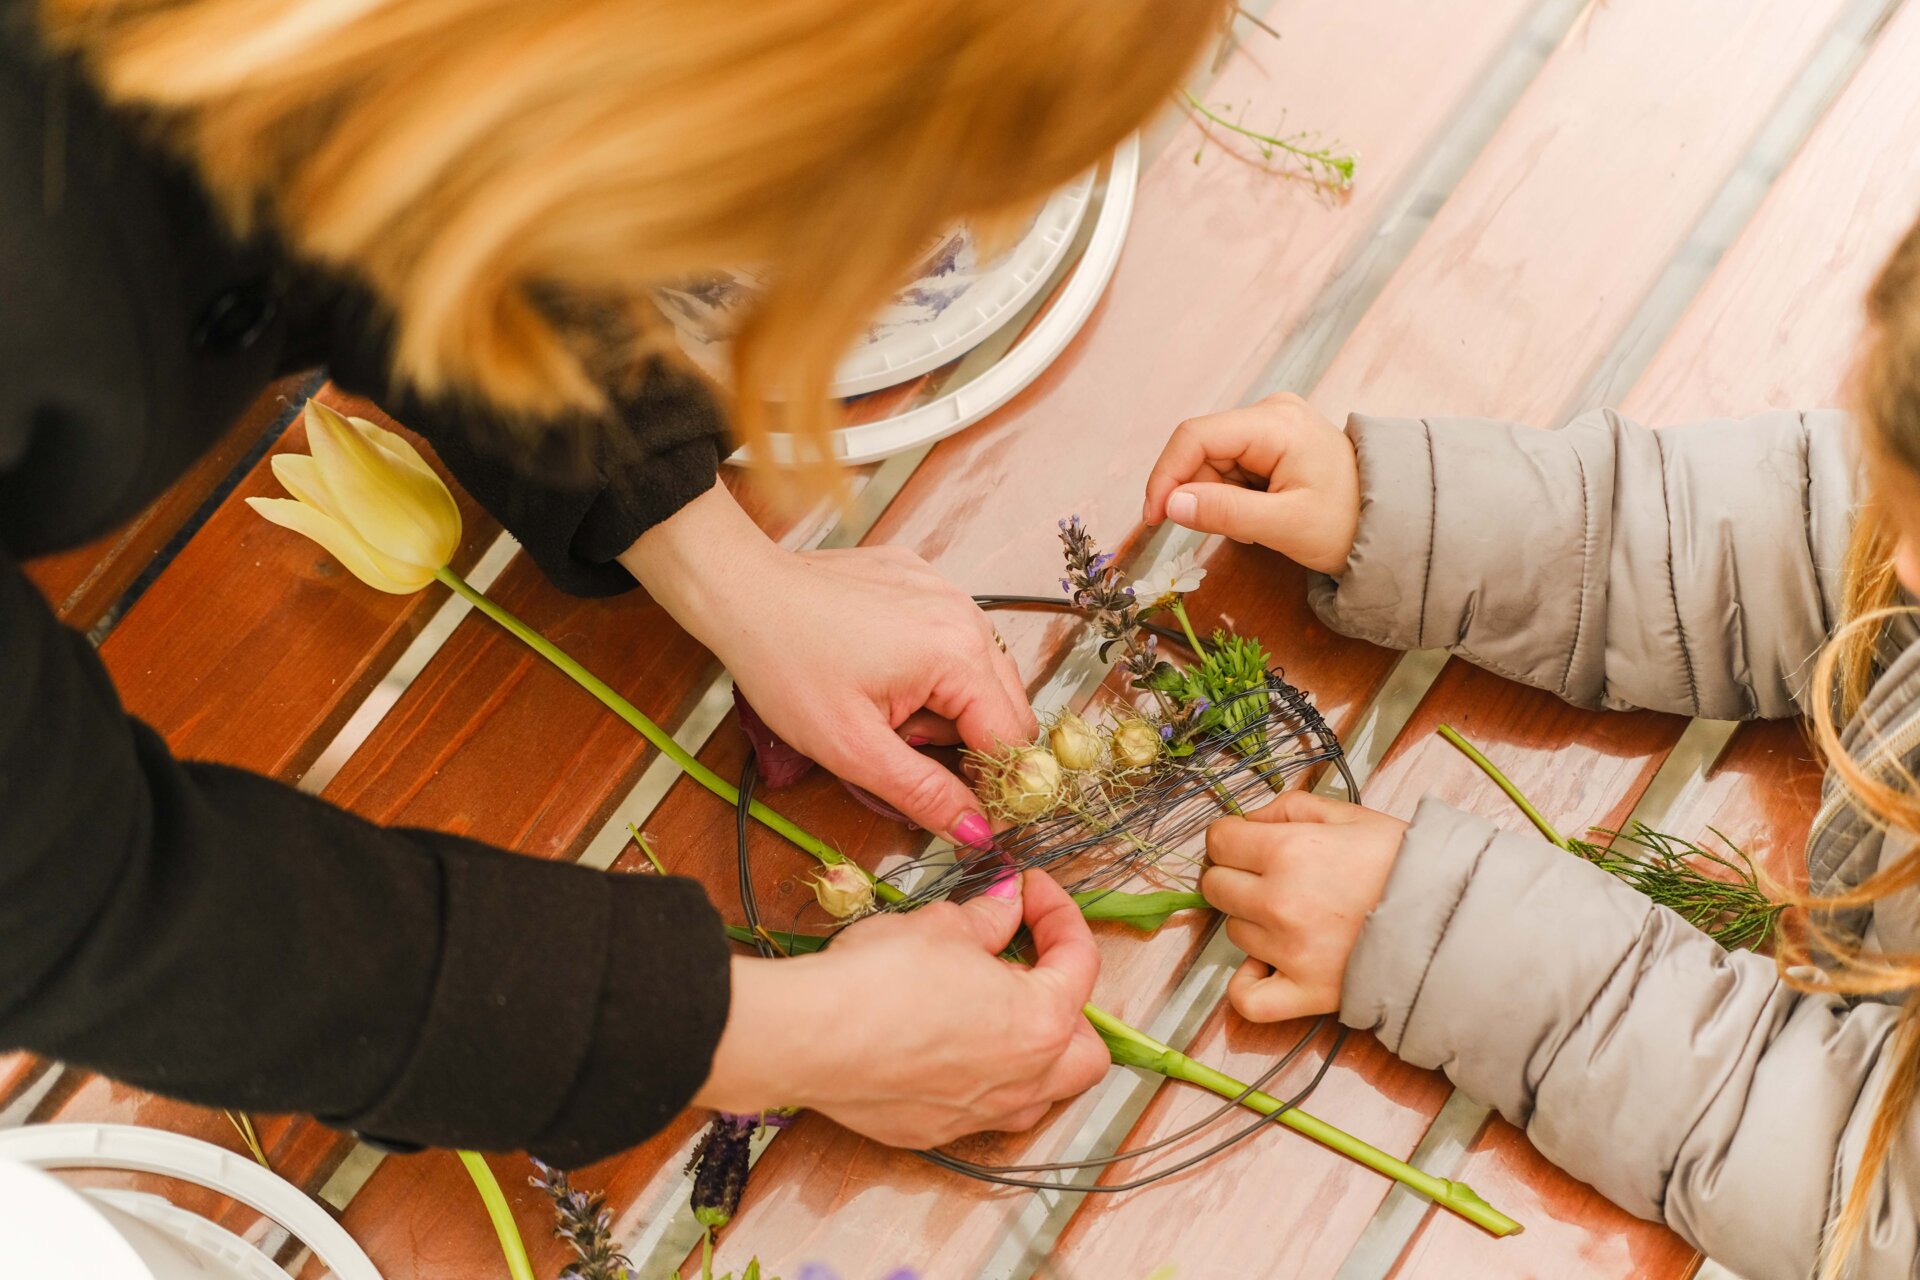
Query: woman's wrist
<point>787,1026</point>
<point>693,561</point>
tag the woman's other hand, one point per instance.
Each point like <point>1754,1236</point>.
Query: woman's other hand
<point>912,1030</point>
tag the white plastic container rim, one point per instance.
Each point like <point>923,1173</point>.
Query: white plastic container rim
<point>1029,357</point>
<point>173,1155</point>
<point>976,315</point>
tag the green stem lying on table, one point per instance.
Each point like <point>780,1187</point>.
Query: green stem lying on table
<point>1131,1048</point>
<point>652,732</point>
<point>1121,1039</point>
<point>1734,912</point>
<point>501,1214</point>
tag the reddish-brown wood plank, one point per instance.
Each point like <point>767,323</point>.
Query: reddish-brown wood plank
<point>245,651</point>
<point>1002,485</point>
<point>1492,315</point>
<point>83,583</point>
<point>1773,328</point>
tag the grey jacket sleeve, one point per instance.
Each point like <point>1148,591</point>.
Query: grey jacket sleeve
<point>1692,569</point>
<point>1686,1084</point>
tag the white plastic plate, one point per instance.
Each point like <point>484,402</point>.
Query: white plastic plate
<point>975,399</point>
<point>937,320</point>
<point>174,1155</point>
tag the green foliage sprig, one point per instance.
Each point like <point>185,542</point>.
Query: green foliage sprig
<point>1732,909</point>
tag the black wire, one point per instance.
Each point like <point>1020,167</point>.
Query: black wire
<point>1003,1175</point>
<point>1228,1108</point>
<point>987,1173</point>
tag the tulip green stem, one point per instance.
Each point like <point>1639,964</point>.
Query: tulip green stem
<point>1502,781</point>
<point>501,1214</point>
<point>1132,1048</point>
<point>652,732</point>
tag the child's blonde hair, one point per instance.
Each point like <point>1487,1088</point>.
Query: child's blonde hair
<point>513,178</point>
<point>1887,397</point>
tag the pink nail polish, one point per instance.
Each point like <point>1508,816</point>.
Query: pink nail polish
<point>915,740</point>
<point>1005,886</point>
<point>973,831</point>
<point>1181,508</point>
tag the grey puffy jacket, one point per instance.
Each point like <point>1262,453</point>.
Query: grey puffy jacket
<point>1694,570</point>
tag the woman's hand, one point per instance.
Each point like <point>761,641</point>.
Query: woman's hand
<point>910,1028</point>
<point>844,652</point>
<point>1276,473</point>
<point>1296,880</point>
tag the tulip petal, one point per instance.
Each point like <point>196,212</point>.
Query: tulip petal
<point>394,443</point>
<point>405,514</point>
<point>361,561</point>
<point>299,476</point>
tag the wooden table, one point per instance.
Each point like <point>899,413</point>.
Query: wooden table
<point>1673,205</point>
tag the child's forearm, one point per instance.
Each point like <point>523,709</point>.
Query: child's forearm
<point>1684,1082</point>
<point>1692,569</point>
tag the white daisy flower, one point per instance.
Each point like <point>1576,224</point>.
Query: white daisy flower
<point>1162,586</point>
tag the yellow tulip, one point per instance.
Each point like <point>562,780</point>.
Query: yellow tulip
<point>367,496</point>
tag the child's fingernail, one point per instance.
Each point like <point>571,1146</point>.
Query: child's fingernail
<point>1005,886</point>
<point>915,740</point>
<point>973,831</point>
<point>1182,507</point>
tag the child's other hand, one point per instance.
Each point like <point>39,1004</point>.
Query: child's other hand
<point>1296,881</point>
<point>1276,473</point>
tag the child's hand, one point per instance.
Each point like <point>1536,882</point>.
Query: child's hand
<point>1296,880</point>
<point>1276,473</point>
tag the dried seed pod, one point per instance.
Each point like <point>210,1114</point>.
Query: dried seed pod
<point>844,890</point>
<point>1075,745</point>
<point>1023,785</point>
<point>1135,744</point>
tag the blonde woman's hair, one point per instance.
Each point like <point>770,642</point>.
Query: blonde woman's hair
<point>1887,397</point>
<point>513,178</point>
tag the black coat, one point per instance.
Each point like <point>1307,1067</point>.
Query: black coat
<point>210,934</point>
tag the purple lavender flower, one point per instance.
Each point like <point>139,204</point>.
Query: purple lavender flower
<point>585,1223</point>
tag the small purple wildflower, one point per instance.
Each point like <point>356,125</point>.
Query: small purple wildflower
<point>1166,733</point>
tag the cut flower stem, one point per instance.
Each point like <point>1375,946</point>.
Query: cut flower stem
<point>1132,1048</point>
<point>660,738</point>
<point>512,1247</point>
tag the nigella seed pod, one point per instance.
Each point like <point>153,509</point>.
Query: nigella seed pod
<point>1024,785</point>
<point>1135,744</point>
<point>844,890</point>
<point>1075,745</point>
<point>719,1169</point>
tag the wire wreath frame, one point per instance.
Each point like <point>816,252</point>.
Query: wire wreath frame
<point>1152,820</point>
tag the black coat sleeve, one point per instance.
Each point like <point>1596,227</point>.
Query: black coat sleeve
<point>573,508</point>
<point>216,936</point>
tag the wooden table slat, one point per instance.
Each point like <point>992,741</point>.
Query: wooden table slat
<point>85,582</point>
